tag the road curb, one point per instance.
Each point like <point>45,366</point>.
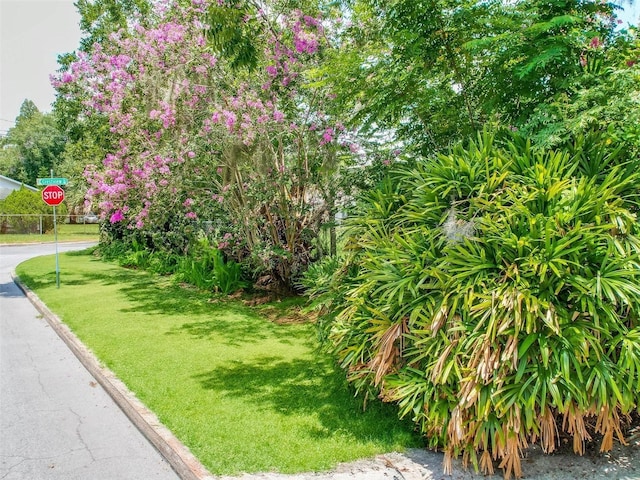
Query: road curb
<point>185,464</point>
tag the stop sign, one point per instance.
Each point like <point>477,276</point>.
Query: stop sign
<point>53,195</point>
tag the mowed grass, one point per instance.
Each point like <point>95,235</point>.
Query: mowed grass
<point>243,393</point>
<point>66,233</point>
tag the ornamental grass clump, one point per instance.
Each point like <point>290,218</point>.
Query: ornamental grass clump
<point>493,294</point>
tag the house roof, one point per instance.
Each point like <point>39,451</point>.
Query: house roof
<point>17,183</point>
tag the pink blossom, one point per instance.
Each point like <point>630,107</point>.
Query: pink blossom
<point>306,42</point>
<point>327,136</point>
<point>169,61</point>
<point>116,217</point>
<point>67,77</point>
<point>229,118</point>
<point>272,70</point>
<point>310,21</point>
<point>191,215</point>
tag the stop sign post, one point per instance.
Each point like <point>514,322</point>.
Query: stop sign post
<point>54,195</point>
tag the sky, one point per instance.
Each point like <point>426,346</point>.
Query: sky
<point>34,32</point>
<point>32,35</point>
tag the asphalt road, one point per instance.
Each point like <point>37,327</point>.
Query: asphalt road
<point>56,422</point>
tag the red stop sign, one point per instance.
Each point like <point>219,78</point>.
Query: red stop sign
<point>53,195</point>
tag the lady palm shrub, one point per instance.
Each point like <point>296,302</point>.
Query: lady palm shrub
<point>493,294</point>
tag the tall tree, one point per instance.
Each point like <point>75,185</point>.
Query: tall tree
<point>101,18</point>
<point>200,136</point>
<point>33,146</point>
<point>434,71</point>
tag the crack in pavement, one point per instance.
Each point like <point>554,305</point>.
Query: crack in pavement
<point>79,434</point>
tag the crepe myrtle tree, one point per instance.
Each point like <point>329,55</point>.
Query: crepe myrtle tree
<point>195,139</point>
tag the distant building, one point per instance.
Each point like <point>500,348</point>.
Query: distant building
<point>8,185</point>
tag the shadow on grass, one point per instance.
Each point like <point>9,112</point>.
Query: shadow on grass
<point>147,293</point>
<point>232,332</point>
<point>87,252</point>
<point>237,327</point>
<point>309,387</point>
<point>37,281</point>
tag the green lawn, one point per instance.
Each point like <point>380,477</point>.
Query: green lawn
<point>66,233</point>
<point>243,393</point>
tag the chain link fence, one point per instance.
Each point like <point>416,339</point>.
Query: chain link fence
<point>40,223</point>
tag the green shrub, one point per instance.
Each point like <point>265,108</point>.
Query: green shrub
<point>23,210</point>
<point>203,266</point>
<point>136,256</point>
<point>492,293</point>
<point>206,268</point>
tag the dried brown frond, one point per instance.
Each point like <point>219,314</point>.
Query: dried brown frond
<point>439,318</point>
<point>607,424</point>
<point>437,369</point>
<point>447,462</point>
<point>465,459</point>
<point>469,392</point>
<point>548,430</point>
<point>486,463</point>
<point>510,463</point>
<point>388,395</point>
<point>357,370</point>
<point>388,352</point>
<point>511,352</point>
<point>476,354</point>
<point>455,428</point>
<point>573,423</point>
<point>489,361</point>
<point>514,422</point>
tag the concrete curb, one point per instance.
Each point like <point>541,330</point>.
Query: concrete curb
<point>185,464</point>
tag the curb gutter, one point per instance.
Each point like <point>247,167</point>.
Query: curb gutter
<point>185,464</point>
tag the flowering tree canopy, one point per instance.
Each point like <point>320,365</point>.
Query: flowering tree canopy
<point>195,139</point>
